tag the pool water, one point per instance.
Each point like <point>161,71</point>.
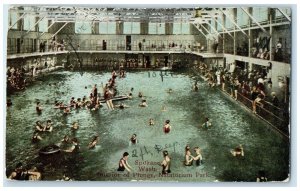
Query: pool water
<point>231,126</point>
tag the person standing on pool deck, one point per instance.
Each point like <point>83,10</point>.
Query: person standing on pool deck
<point>167,127</point>
<point>123,163</point>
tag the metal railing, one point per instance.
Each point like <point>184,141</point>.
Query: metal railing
<point>277,117</point>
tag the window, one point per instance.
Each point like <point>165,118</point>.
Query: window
<point>111,27</point>
<point>176,28</point>
<point>82,27</point>
<point>260,14</point>
<point>278,14</point>
<point>29,21</point>
<point>43,25</point>
<point>242,17</point>
<point>13,18</point>
<point>107,27</point>
<point>185,28</point>
<point>136,28</point>
<point>157,28</point>
<point>152,28</point>
<point>228,23</point>
<point>212,25</point>
<point>131,28</point>
<point>219,28</point>
<point>181,28</point>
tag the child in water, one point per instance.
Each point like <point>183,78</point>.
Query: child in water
<point>167,127</point>
<point>238,151</point>
<point>144,103</point>
<point>151,121</point>
<point>93,142</point>
<point>207,123</point>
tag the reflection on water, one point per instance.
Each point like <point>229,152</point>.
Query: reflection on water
<point>185,109</point>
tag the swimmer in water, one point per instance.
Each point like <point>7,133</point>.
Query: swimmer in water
<point>195,87</point>
<point>164,108</point>
<point>36,137</point>
<point>133,140</point>
<point>166,163</point>
<point>8,103</point>
<point>167,127</point>
<point>238,151</point>
<point>122,106</point>
<point>65,140</point>
<point>123,163</point>
<point>143,104</point>
<point>140,94</point>
<point>38,108</point>
<point>67,110</point>
<point>151,121</point>
<point>93,142</point>
<point>188,157</point>
<point>207,123</point>
<point>39,126</point>
<point>48,126</point>
<point>129,95</point>
<point>75,146</point>
<point>170,90</point>
<point>75,126</point>
<point>198,157</point>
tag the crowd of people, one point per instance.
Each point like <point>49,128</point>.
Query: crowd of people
<point>251,84</point>
<point>15,78</point>
<point>255,85</point>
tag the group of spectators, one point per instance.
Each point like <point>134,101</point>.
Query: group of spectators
<point>15,78</point>
<point>57,45</point>
<point>254,84</point>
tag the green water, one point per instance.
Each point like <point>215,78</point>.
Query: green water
<point>264,149</point>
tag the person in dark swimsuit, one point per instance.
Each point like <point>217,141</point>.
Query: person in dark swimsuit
<point>36,138</point>
<point>8,103</point>
<point>167,127</point>
<point>93,143</point>
<point>95,91</point>
<point>39,126</point>
<point>188,157</point>
<point>123,163</point>
<point>38,108</point>
<point>238,151</point>
<point>261,177</point>
<point>133,139</point>
<point>21,174</point>
<point>48,126</point>
<point>74,148</point>
<point>198,157</point>
<point>166,163</point>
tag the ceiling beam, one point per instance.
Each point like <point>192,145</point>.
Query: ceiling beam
<point>261,27</point>
<point>200,30</point>
<point>35,24</point>
<point>228,17</point>
<point>214,29</point>
<point>284,14</point>
<point>17,21</point>
<point>59,29</point>
<point>216,20</point>
<point>47,28</point>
